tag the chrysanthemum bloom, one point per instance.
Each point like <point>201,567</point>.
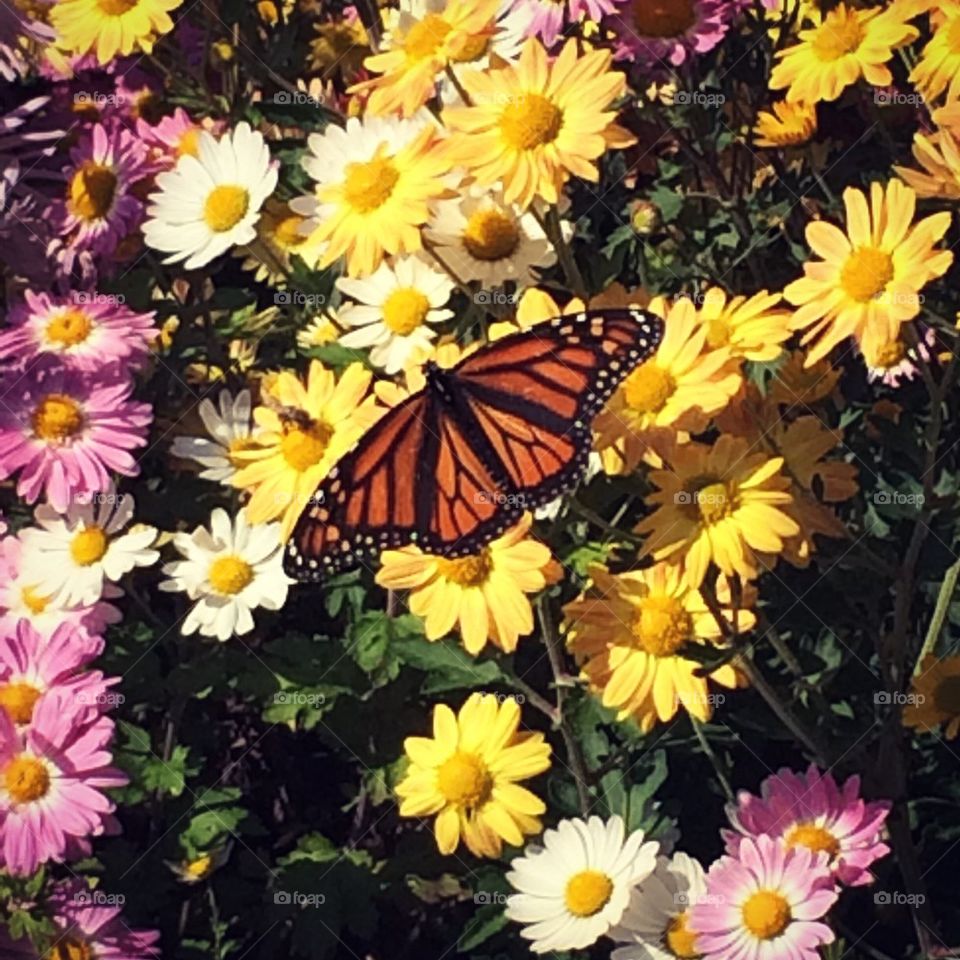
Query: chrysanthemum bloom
<point>938,68</point>
<point>279,238</point>
<point>99,208</point>
<point>86,330</point>
<point>787,125</point>
<point>210,202</point>
<point>483,594</point>
<point>533,124</point>
<point>51,777</point>
<point>65,430</point>
<point>629,634</point>
<point>340,46</point>
<point>811,810</point>
<point>765,904</point>
<point>319,332</point>
<point>656,924</point>
<point>375,180</point>
<point>894,362</point>
<point>938,154</point>
<point>229,570</point>
<point>198,869</point>
<point>292,454</point>
<point>577,886</point>
<point>468,774</point>
<point>753,329</point>
<point>668,31</point>
<point>176,135</point>
<point>718,504</point>
<point>936,693</point>
<point>229,429</point>
<point>396,307</point>
<point>677,389</point>
<point>847,45</point>
<point>869,280</point>
<point>112,27</point>
<point>797,385</point>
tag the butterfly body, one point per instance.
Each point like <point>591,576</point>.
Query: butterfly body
<point>456,464</point>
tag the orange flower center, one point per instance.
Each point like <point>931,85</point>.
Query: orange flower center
<point>887,355</point>
<point>405,310</point>
<point>866,274</point>
<point>33,601</point>
<point>425,38</point>
<point>474,47</point>
<point>225,207</point>
<point>530,121</point>
<point>766,914</point>
<point>91,191</point>
<point>286,233</point>
<point>116,8</point>
<point>718,332</point>
<point>26,779</point>
<point>229,575</point>
<point>88,546</point>
<point>661,626</point>
<point>370,185</point>
<point>838,35</point>
<point>304,447</point>
<point>18,700</point>
<point>679,939</point>
<point>464,780</point>
<point>813,837</point>
<point>663,18</point>
<point>69,327</point>
<point>946,696</point>
<point>587,892</point>
<point>57,417</point>
<point>648,388</point>
<point>469,571</point>
<point>714,502</point>
<point>491,234</point>
<point>70,948</point>
<point>189,143</point>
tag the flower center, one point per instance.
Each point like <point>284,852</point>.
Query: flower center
<point>304,447</point>
<point>530,121</point>
<point>57,417</point>
<point>225,207</point>
<point>33,601</point>
<point>946,697</point>
<point>370,185</point>
<point>425,38</point>
<point>18,700</point>
<point>70,948</point>
<point>26,779</point>
<point>814,838</point>
<point>718,332</point>
<point>679,939</point>
<point>661,626</point>
<point>287,233</point>
<point>587,892</point>
<point>69,327</point>
<point>404,310</point>
<point>88,546</point>
<point>953,35</point>
<point>116,8</point>
<point>200,867</point>
<point>229,575</point>
<point>839,34</point>
<point>474,47</point>
<point>189,142</point>
<point>648,388</point>
<point>866,274</point>
<point>464,780</point>
<point>238,445</point>
<point>491,234</point>
<point>91,192</point>
<point>713,502</point>
<point>467,571</point>
<point>888,355</point>
<point>766,914</point>
<point>663,18</point>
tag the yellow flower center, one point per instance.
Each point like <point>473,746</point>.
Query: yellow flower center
<point>648,388</point>
<point>718,332</point>
<point>404,310</point>
<point>88,546</point>
<point>116,8</point>
<point>33,601</point>
<point>370,185</point>
<point>946,696</point>
<point>814,838</point>
<point>888,355</point>
<point>200,867</point>
<point>189,143</point>
<point>26,779</point>
<point>425,38</point>
<point>464,780</point>
<point>714,502</point>
<point>304,447</point>
<point>679,939</point>
<point>469,571</point>
<point>661,626</point>
<point>286,233</point>
<point>953,35</point>
<point>663,18</point>
<point>91,191</point>
<point>474,48</point>
<point>587,892</point>
<point>70,949</point>
<point>839,34</point>
<point>18,700</point>
<point>491,234</point>
<point>238,445</point>
<point>57,417</point>
<point>866,274</point>
<point>766,914</point>
<point>69,327</point>
<point>225,207</point>
<point>229,575</point>
<point>530,121</point>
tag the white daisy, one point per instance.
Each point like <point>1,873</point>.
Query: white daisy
<point>397,304</point>
<point>230,569</point>
<point>211,202</point>
<point>73,556</point>
<point>320,331</point>
<point>656,924</point>
<point>229,427</point>
<point>578,885</point>
<point>480,237</point>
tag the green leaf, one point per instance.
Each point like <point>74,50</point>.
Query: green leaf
<point>668,201</point>
<point>487,921</point>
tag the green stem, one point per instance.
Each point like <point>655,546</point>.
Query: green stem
<point>944,598</point>
<point>713,758</point>
<point>554,231</point>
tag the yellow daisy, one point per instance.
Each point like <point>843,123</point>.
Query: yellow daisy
<point>939,156</point>
<point>534,123</point>
<point>339,47</point>
<point>753,329</point>
<point>936,697</point>
<point>722,504</point>
<point>484,594</point>
<point>869,280</point>
<point>629,633</point>
<point>303,431</point>
<point>847,45</point>
<point>938,68</point>
<point>279,237</point>
<point>111,27</point>
<point>788,125</point>
<point>468,772</point>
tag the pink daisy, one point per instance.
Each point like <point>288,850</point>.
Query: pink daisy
<point>86,330</point>
<point>811,811</point>
<point>174,136</point>
<point>668,32</point>
<point>549,17</point>
<point>765,904</point>
<point>64,430</point>
<point>52,775</point>
<point>895,363</point>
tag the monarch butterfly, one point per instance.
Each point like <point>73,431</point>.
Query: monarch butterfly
<point>454,465</point>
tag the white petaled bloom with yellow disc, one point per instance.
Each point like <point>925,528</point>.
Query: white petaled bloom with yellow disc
<point>229,427</point>
<point>211,202</point>
<point>577,886</point>
<point>229,570</point>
